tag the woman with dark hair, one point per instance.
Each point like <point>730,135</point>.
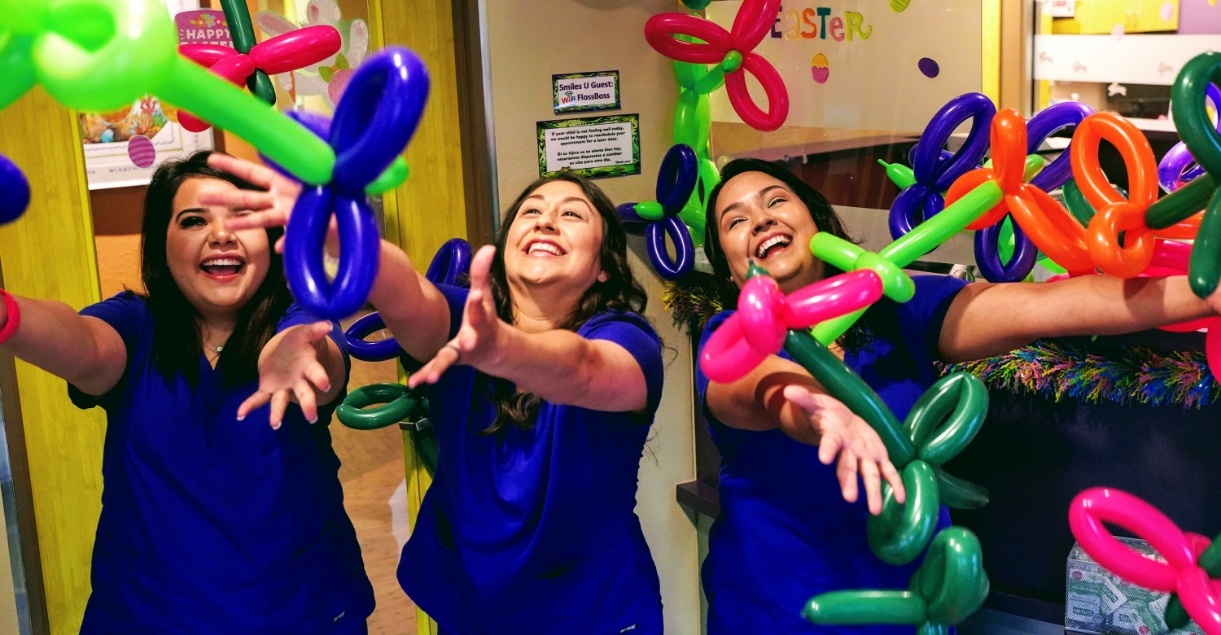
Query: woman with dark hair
<point>209,523</point>
<point>787,530</point>
<point>544,380</point>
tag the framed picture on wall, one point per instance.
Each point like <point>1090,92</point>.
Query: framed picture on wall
<point>123,147</point>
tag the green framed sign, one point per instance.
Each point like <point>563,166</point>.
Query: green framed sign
<point>584,92</point>
<point>590,146</point>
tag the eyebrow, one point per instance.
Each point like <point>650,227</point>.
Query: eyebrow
<point>570,199</point>
<point>190,210</point>
<point>763,192</point>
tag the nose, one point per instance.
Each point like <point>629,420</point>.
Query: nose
<point>218,234</point>
<point>545,222</point>
<point>763,221</point>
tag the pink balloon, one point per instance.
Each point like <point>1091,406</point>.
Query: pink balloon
<point>296,49</point>
<point>1100,504</point>
<point>727,357</point>
<point>765,315</point>
<point>1200,596</point>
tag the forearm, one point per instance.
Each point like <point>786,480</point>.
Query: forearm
<point>756,402</point>
<point>413,309</point>
<point>992,319</point>
<point>86,352</point>
<point>565,368</point>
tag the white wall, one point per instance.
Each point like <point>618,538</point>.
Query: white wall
<point>529,41</point>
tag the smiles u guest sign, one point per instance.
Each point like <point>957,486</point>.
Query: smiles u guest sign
<point>583,92</point>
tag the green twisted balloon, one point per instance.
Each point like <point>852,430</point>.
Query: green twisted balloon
<point>947,588</point>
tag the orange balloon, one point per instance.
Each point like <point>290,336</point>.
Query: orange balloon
<point>1052,228</point>
<point>1103,236</point>
<point>1008,138</point>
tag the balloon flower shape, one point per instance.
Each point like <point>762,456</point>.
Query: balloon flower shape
<point>941,423</point>
<point>675,182</point>
<point>947,588</point>
<point>373,123</point>
<point>1048,225</point>
<point>1202,138</point>
<point>450,266</point>
<point>765,315</point>
<point>889,262</point>
<point>1115,214</point>
<point>97,55</point>
<point>994,263</point>
<point>732,52</point>
<point>692,122</point>
<point>281,54</point>
<point>932,169</point>
<point>1178,167</point>
<point>1190,559</point>
<point>14,190</point>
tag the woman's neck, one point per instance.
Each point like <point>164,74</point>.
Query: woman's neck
<point>537,312</point>
<point>215,332</point>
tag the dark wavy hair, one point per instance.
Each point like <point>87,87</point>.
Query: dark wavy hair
<point>620,292</point>
<point>177,328</point>
<point>825,219</point>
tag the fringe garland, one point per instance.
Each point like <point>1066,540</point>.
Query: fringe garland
<point>1134,375</point>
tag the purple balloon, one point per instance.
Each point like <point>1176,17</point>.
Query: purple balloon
<point>988,258</point>
<point>935,169</point>
<point>1176,167</point>
<point>1047,122</point>
<point>676,178</point>
<point>632,222</point>
<point>318,124</point>
<point>451,263</point>
<point>303,247</point>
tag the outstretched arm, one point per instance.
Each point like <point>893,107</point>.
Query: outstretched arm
<point>413,309</point>
<point>557,365</point>
<point>299,364</point>
<point>85,351</point>
<point>779,394</point>
<point>987,319</point>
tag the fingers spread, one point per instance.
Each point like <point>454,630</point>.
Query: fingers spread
<point>279,403</point>
<point>257,400</point>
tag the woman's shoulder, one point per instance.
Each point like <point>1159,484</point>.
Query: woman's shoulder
<point>613,318</point>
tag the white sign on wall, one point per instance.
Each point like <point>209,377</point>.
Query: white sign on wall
<point>862,65</point>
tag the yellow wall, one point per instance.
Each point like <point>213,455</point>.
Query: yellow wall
<point>49,253</point>
<point>600,36</point>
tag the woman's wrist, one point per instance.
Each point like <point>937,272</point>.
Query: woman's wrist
<point>12,317</point>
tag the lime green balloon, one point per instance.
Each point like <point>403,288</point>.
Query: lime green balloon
<point>18,66</point>
<point>392,177</point>
<point>650,210</point>
<point>23,16</point>
<point>710,81</point>
<point>693,122</point>
<point>226,106</point>
<point>899,174</point>
<point>104,54</point>
<point>731,62</point>
<point>687,73</point>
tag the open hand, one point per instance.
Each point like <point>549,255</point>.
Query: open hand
<point>477,338</point>
<point>288,368</point>
<point>860,449</point>
<point>270,208</point>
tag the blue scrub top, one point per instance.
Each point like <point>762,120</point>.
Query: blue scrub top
<point>209,524</point>
<point>534,531</point>
<point>785,533</point>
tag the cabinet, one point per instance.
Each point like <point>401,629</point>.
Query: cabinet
<point>1135,16</point>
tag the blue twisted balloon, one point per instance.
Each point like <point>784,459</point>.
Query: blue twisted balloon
<point>373,123</point>
<point>934,169</point>
<point>14,191</point>
<point>675,182</point>
<point>450,266</point>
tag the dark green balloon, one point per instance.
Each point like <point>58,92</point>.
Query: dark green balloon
<point>900,533</point>
<point>399,404</point>
<point>866,607</point>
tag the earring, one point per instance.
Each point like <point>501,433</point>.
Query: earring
<point>602,277</point>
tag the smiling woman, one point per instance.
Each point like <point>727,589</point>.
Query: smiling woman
<point>200,506</point>
<point>544,380</point>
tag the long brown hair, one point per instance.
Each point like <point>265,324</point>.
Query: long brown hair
<point>620,291</point>
<point>177,334</point>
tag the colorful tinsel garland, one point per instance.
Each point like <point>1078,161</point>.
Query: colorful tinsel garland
<point>1131,375</point>
<point>1126,375</point>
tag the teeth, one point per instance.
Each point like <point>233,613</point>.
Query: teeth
<point>546,247</point>
<point>223,262</point>
<point>769,243</point>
